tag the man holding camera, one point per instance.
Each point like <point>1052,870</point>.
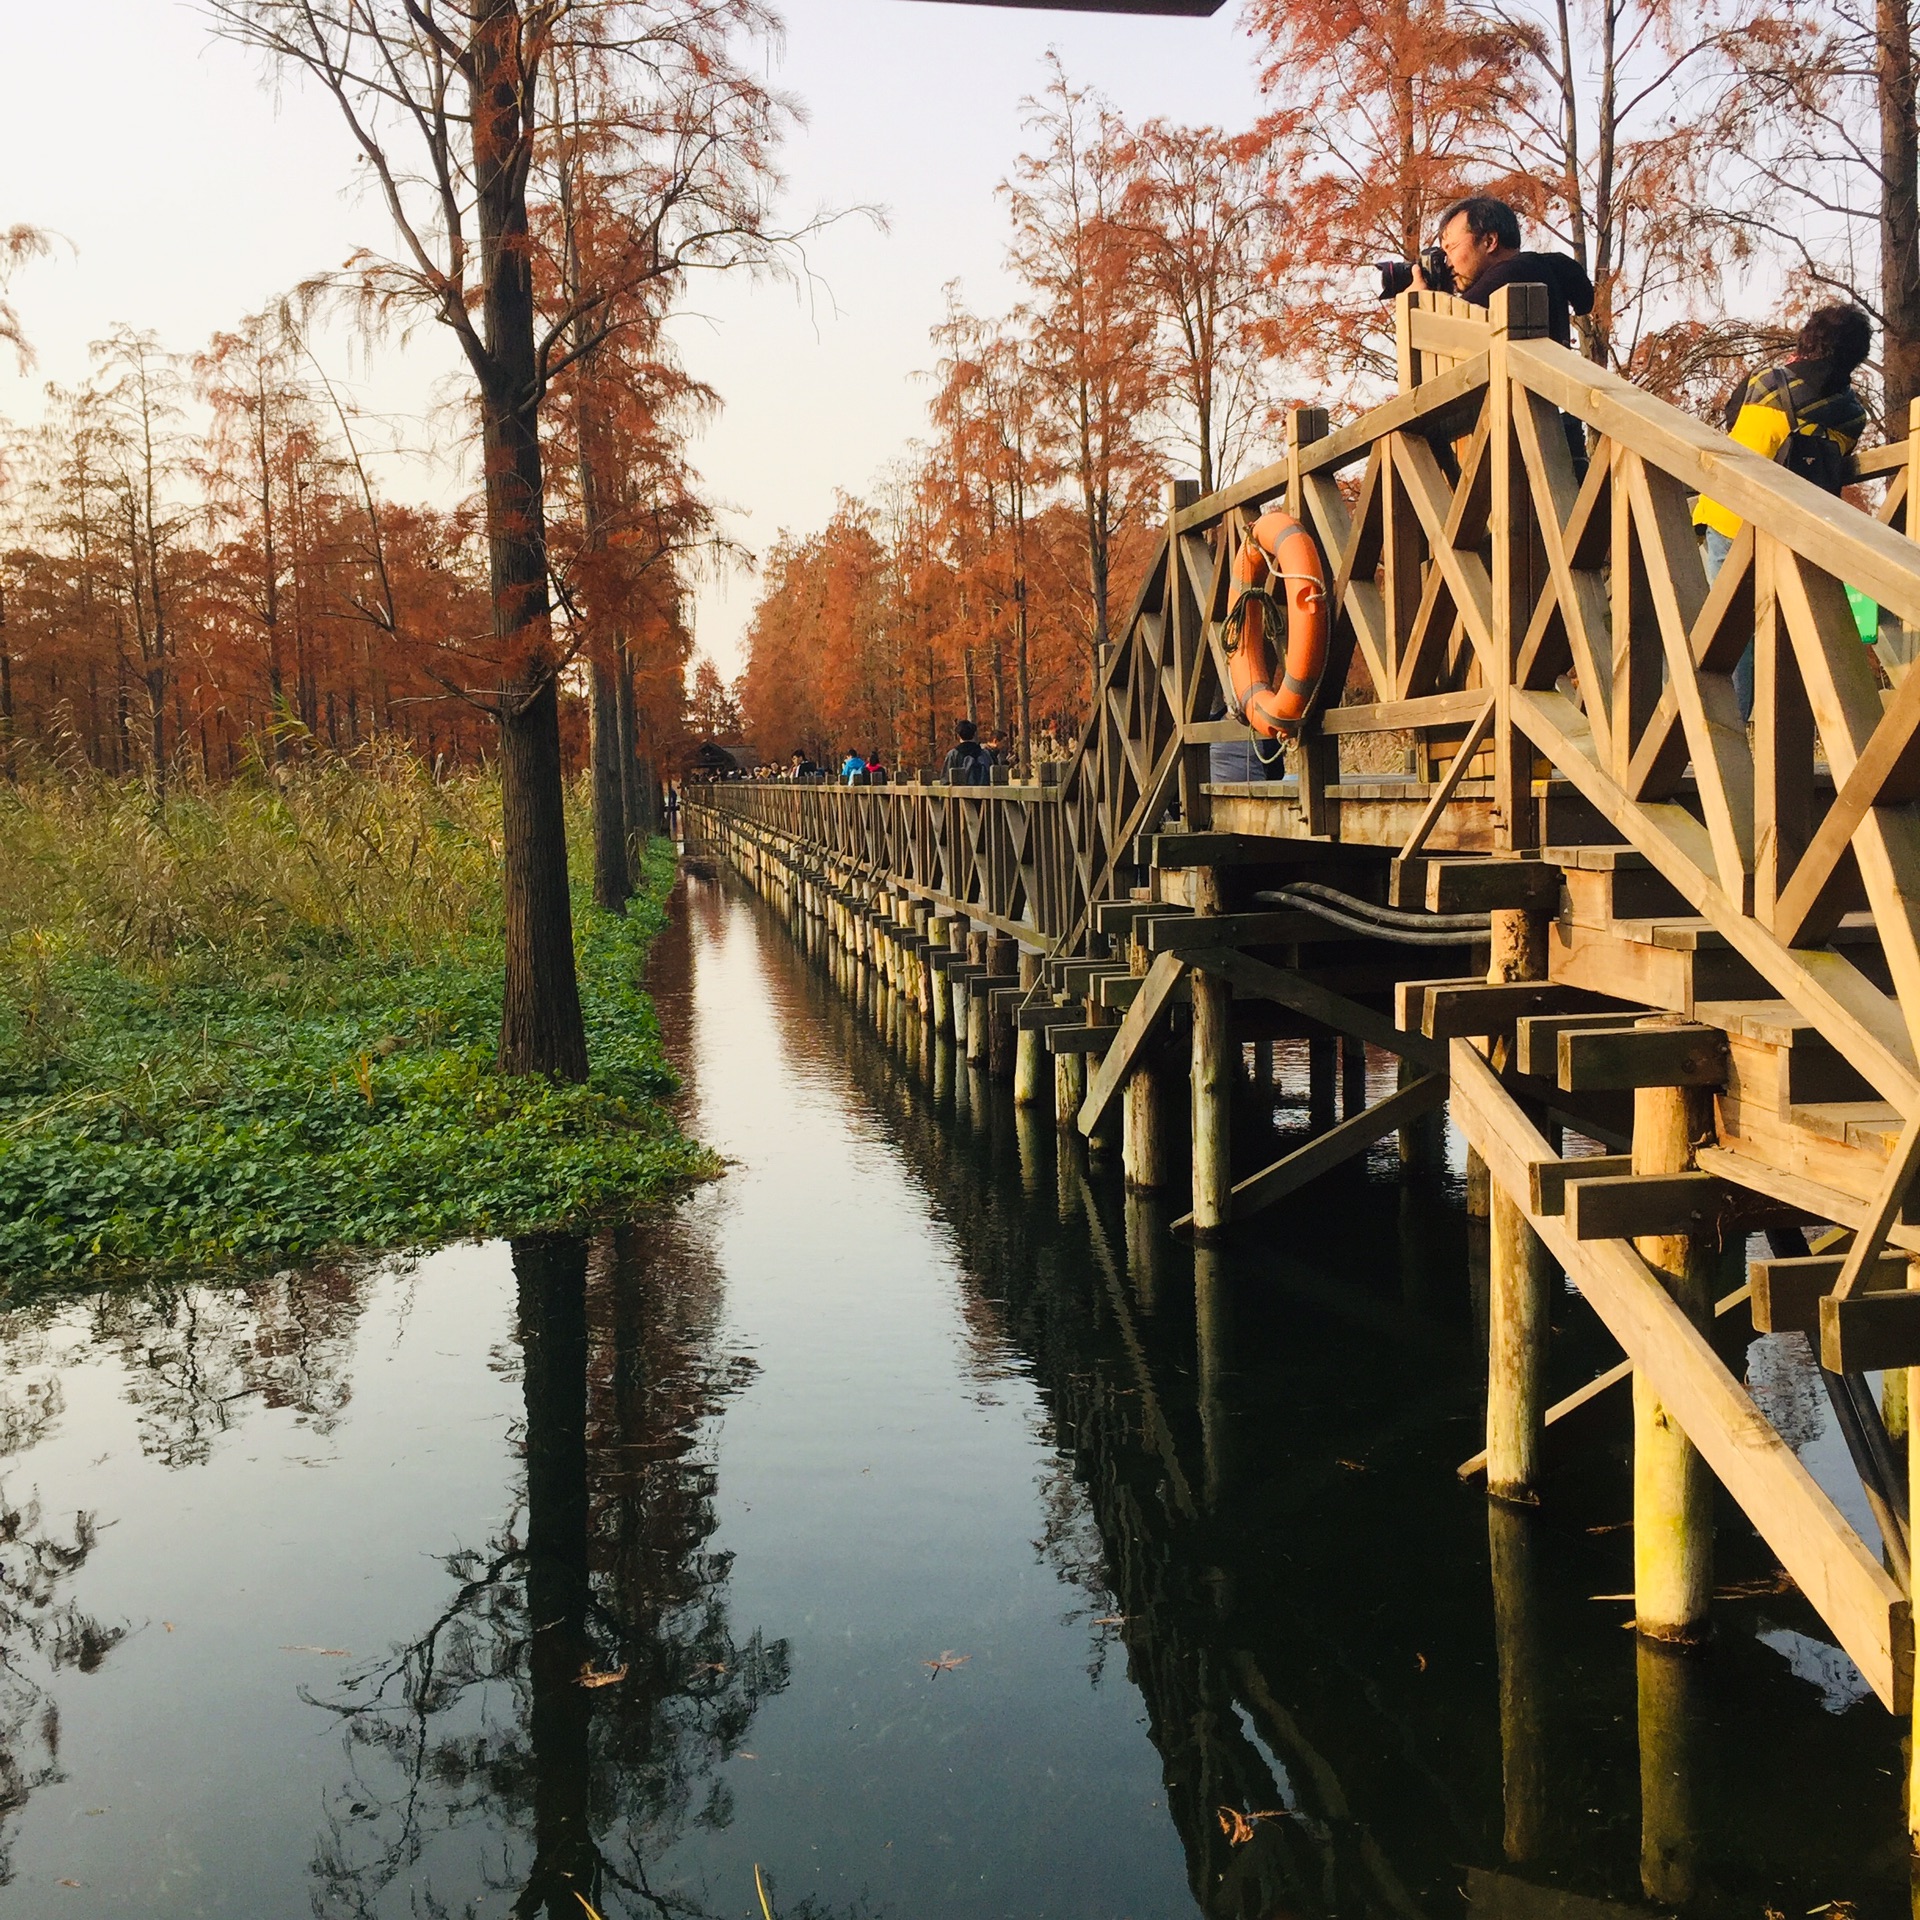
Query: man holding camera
<point>1481,253</point>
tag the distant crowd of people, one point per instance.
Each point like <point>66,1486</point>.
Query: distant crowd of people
<point>970,762</point>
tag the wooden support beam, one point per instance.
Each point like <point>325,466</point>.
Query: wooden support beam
<point>1331,1149</point>
<point>1633,1206</point>
<point>1185,932</point>
<point>1458,1009</point>
<point>1607,1059</point>
<point>1155,995</point>
<point>1044,1014</point>
<point>1862,1605</point>
<point>1484,886</point>
<point>1119,990</point>
<point>1870,1331</point>
<point>1178,850</point>
<point>1547,1179</point>
<point>1787,1293</point>
<point>1536,1047</point>
<point>1256,980</point>
<point>1081,1039</point>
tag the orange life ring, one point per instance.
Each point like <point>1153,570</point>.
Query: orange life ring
<point>1278,562</point>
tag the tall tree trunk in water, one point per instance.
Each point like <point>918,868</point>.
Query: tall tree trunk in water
<point>1899,212</point>
<point>541,1030</point>
<point>551,1270</point>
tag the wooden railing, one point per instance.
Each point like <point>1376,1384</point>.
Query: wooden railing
<point>1519,597</point>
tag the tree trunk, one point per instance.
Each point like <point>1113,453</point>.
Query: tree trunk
<point>633,799</point>
<point>541,1030</point>
<point>1899,213</point>
<point>611,880</point>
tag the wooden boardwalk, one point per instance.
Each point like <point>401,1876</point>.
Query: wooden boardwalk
<point>1527,845</point>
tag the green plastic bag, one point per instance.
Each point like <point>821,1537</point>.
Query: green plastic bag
<point>1866,615</point>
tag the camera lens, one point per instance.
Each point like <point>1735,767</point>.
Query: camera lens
<point>1396,276</point>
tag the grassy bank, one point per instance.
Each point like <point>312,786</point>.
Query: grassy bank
<point>256,1024</point>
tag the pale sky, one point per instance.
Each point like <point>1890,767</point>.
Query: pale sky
<point>192,194</point>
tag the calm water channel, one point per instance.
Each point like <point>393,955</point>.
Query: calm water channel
<point>950,1542</point>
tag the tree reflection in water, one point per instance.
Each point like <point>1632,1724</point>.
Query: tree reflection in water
<point>488,1720</point>
<point>41,1633</point>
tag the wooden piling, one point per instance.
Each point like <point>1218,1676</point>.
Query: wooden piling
<point>1672,1489</point>
<point>976,997</point>
<point>940,988</point>
<point>1353,1075</point>
<point>1143,1130</point>
<point>1519,1278</point>
<point>1212,1081</point>
<point>1263,1072</point>
<point>1003,959</point>
<point>1029,1043</point>
<point>1420,1140</point>
<point>1322,1055</point>
<point>1069,1088</point>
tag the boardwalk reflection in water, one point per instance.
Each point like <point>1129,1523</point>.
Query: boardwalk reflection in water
<point>1427,1693</point>
<point>914,1385</point>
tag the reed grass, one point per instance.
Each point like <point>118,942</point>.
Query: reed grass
<point>252,1024</point>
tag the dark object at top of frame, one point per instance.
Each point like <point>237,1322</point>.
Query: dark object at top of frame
<point>1188,9</point>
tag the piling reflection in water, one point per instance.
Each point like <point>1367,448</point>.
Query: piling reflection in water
<point>1372,1691</point>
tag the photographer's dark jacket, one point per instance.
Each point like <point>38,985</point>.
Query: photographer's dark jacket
<point>1569,291</point>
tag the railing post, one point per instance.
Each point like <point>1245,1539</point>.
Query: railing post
<point>1317,754</point>
<point>1193,667</point>
<point>1519,566</point>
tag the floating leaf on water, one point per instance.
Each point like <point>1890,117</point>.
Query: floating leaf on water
<point>1240,1827</point>
<point>588,1678</point>
<point>1420,1660</point>
<point>946,1663</point>
<point>1352,1466</point>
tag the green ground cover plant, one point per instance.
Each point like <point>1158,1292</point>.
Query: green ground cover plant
<point>255,1024</point>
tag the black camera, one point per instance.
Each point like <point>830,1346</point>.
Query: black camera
<point>1396,276</point>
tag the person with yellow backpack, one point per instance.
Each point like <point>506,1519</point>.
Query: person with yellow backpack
<point>1803,414</point>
